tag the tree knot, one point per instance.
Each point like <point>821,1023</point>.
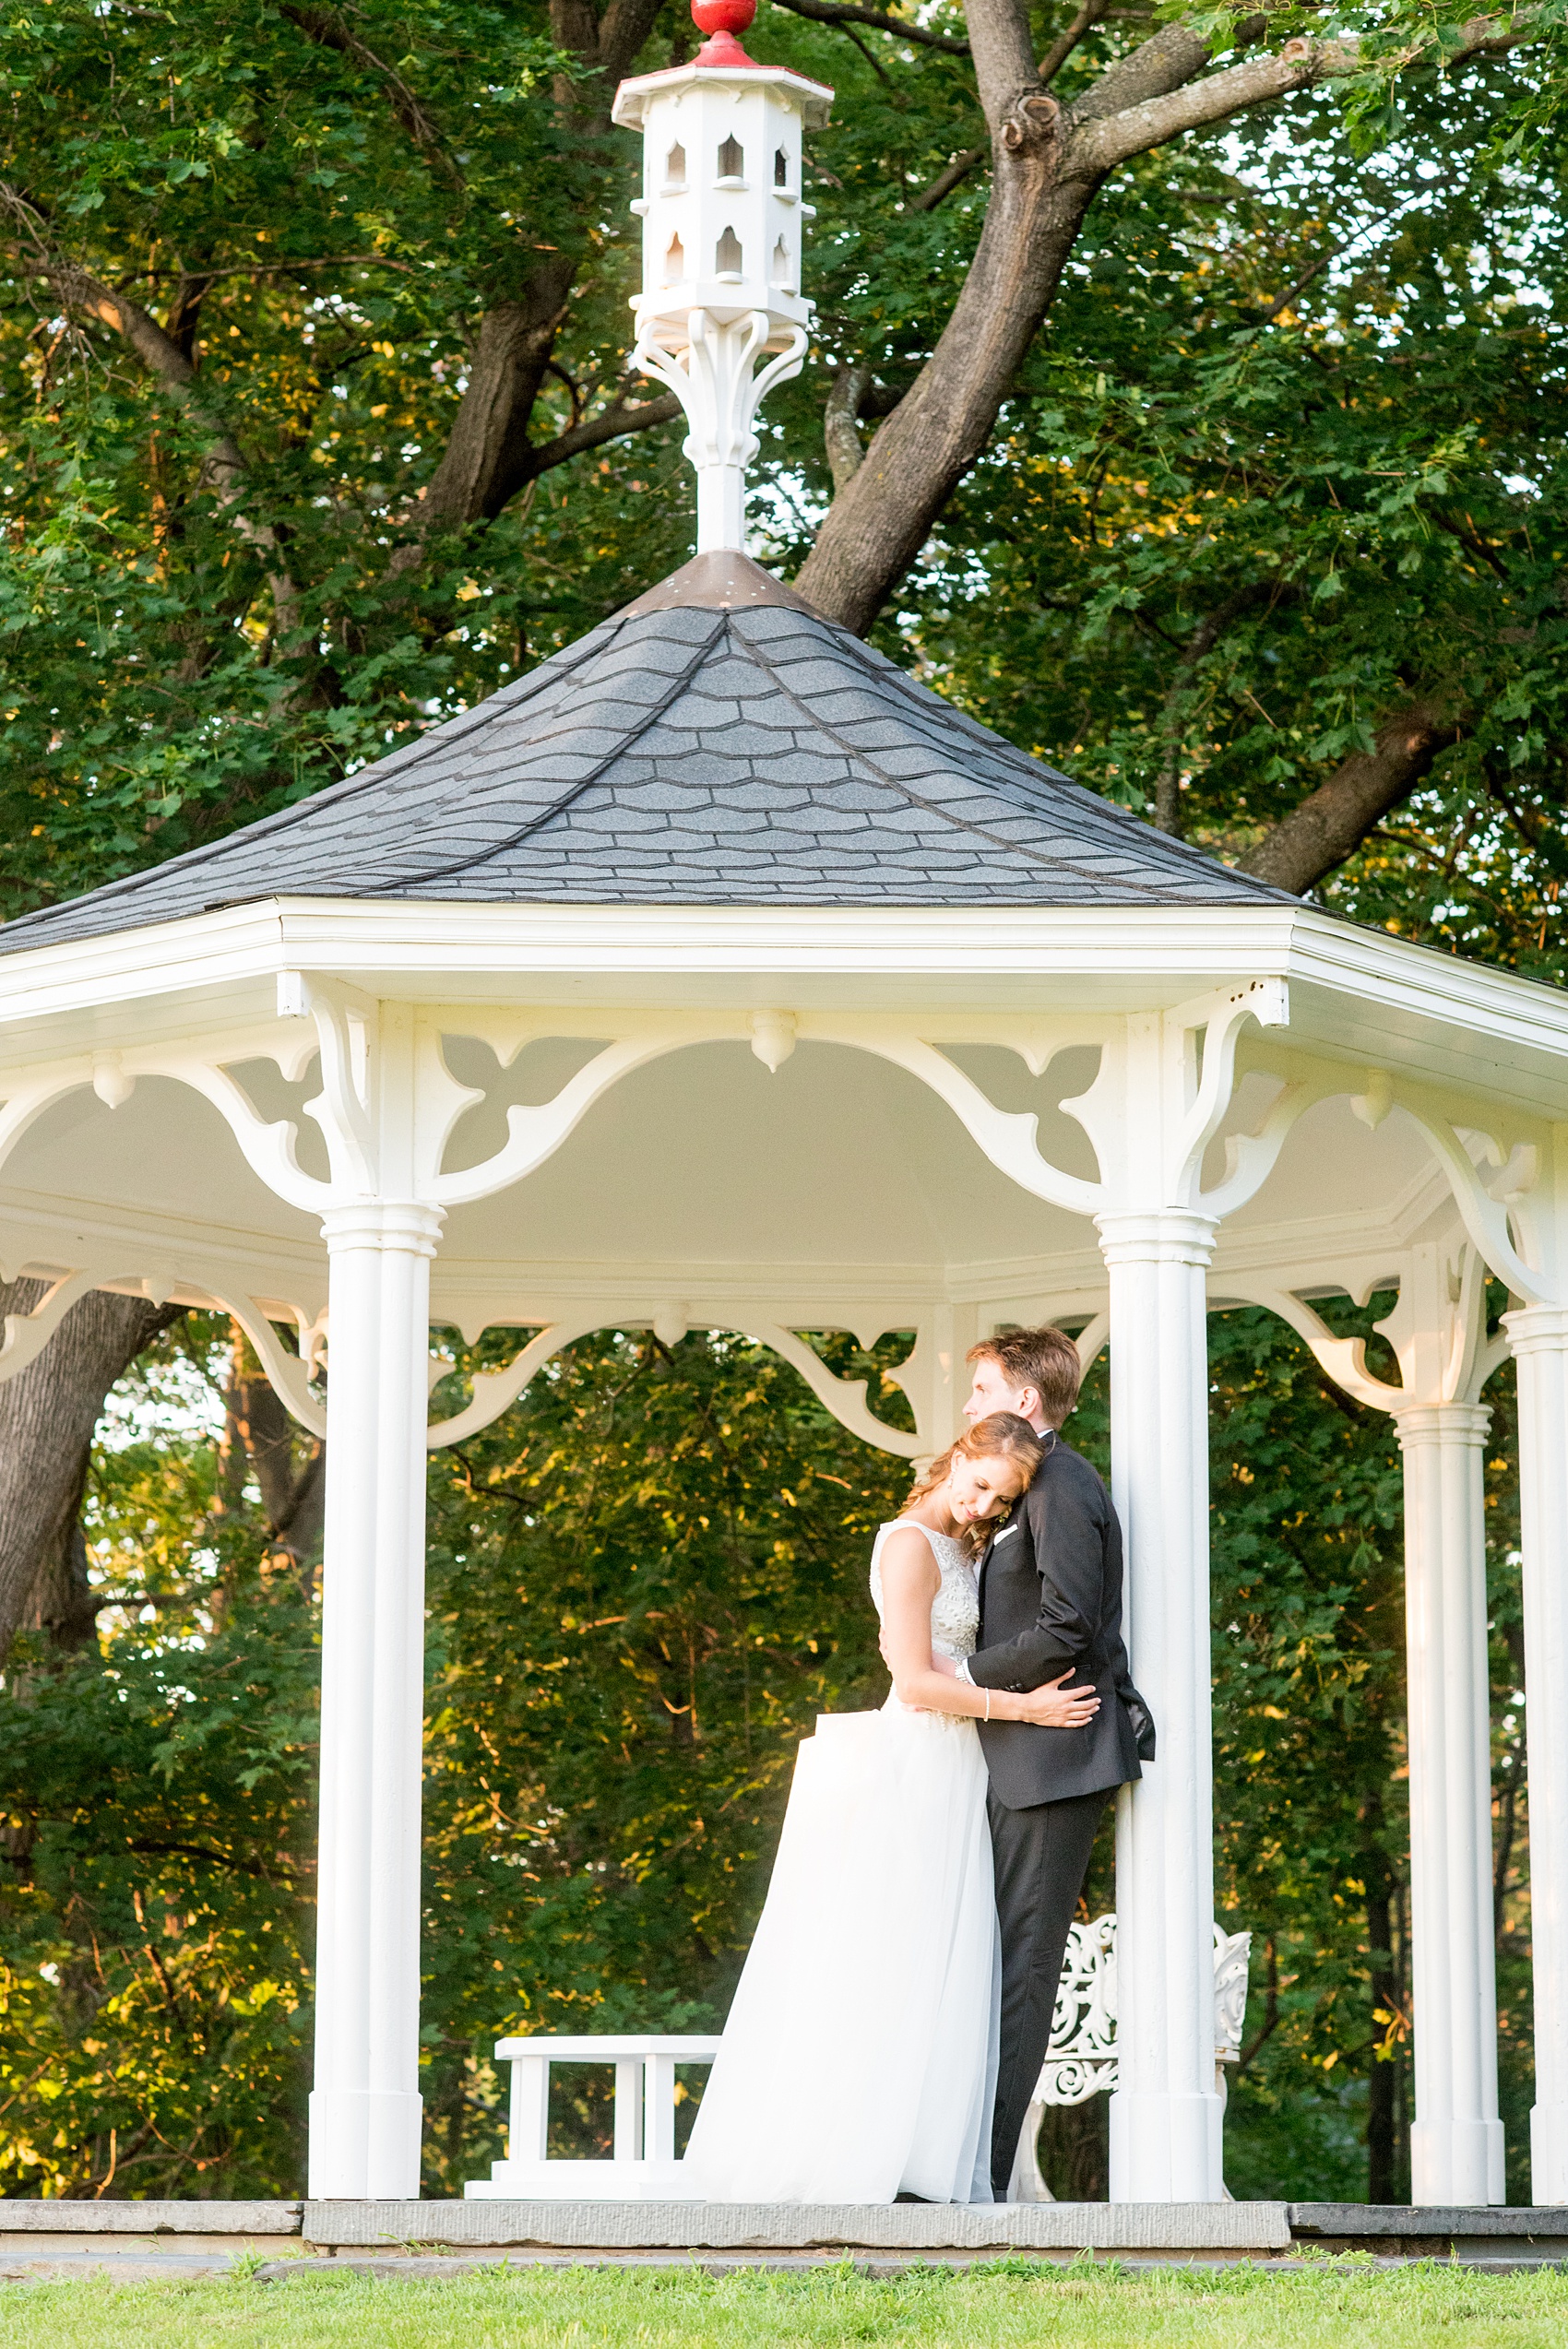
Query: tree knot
<point>1032,123</point>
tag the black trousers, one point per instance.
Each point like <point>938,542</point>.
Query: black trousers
<point>1041,1856</point>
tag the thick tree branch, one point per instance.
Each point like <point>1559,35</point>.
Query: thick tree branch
<point>1136,125</point>
<point>1132,130</point>
<point>1002,46</point>
<point>1061,48</point>
<point>1165,62</point>
<point>845,12</point>
<point>611,423</point>
<point>845,454</point>
<point>881,518</point>
<point>1333,821</point>
<point>618,40</point>
<point>489,457</point>
<point>1046,169</point>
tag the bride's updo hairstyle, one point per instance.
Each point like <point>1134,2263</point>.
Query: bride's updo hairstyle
<point>1004,1436</point>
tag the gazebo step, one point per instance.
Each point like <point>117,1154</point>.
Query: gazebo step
<point>900,2226</point>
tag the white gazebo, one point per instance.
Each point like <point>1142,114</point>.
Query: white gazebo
<point>717,975</point>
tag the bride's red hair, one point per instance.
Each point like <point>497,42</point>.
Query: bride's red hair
<point>1003,1436</point>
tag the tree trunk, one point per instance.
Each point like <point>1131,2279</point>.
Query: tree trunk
<point>1046,170</point>
<point>293,1494</point>
<point>886,511</point>
<point>48,1412</point>
<point>63,1604</point>
<point>489,455</point>
<point>844,455</point>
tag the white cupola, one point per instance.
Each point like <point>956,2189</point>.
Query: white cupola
<point>723,225</point>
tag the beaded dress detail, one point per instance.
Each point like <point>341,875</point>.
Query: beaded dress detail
<point>955,1611</point>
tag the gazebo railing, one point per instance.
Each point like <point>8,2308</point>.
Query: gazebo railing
<point>644,2168</point>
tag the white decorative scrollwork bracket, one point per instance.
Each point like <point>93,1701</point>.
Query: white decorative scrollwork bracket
<point>495,1391</point>
<point>712,377</point>
<point>27,1334</point>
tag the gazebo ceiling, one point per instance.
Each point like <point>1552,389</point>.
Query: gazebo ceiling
<point>716,743</point>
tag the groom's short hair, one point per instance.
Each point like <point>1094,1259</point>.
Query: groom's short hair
<point>1045,1359</point>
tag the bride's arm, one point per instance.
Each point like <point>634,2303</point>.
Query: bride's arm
<point>909,1583</point>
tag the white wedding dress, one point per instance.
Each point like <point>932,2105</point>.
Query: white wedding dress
<point>859,2061</point>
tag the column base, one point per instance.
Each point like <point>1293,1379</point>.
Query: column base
<point>1549,2153</point>
<point>364,2147</point>
<point>1457,2163</point>
<point>1166,2149</point>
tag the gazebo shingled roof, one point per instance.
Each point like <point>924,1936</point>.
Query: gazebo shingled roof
<point>717,743</point>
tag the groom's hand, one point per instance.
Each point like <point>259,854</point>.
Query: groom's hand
<point>1055,1707</point>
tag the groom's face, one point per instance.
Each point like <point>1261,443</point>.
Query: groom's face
<point>992,1390</point>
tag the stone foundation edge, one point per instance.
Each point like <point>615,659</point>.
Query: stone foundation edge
<point>1312,2221</point>
<point>232,2220</point>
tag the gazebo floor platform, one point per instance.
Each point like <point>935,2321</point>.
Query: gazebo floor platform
<point>417,2240</point>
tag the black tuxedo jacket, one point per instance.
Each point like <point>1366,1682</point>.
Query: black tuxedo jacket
<point>1051,1599</point>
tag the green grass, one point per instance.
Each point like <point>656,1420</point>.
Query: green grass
<point>1013,2303</point>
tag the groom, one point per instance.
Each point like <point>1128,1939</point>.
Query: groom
<point>1051,1604</point>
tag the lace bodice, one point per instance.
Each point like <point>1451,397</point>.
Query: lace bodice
<point>955,1611</point>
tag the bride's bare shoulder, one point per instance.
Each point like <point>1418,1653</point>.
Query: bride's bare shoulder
<point>906,1555</point>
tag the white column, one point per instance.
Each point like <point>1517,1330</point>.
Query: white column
<point>1456,2151</point>
<point>1165,2117</point>
<point>1539,1335</point>
<point>365,2110</point>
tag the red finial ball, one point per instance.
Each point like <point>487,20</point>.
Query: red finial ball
<point>721,20</point>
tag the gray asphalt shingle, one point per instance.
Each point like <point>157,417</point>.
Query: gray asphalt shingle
<point>690,753</point>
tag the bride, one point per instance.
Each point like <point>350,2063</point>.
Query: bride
<point>859,2060</point>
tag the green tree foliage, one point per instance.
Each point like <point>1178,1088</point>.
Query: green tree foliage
<point>189,640</point>
<point>646,1582</point>
<point>157,1845</point>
